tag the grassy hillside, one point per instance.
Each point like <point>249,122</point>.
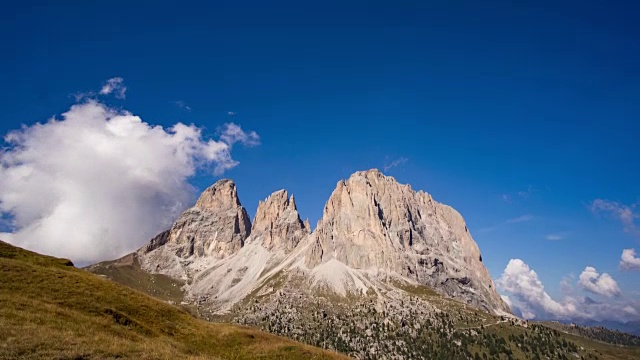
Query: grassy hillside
<point>49,309</point>
<point>127,271</point>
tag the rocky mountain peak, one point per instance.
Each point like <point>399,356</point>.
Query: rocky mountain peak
<point>215,227</point>
<point>372,222</point>
<point>371,174</point>
<point>277,224</point>
<point>220,196</point>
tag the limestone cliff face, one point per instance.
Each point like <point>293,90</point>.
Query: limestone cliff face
<point>277,224</point>
<point>216,226</point>
<point>371,222</point>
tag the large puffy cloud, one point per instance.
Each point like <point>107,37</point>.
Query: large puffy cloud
<point>99,182</point>
<point>601,284</point>
<point>629,261</point>
<point>527,297</point>
<point>528,293</point>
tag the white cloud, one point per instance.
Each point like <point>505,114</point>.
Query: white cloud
<point>99,183</point>
<point>182,105</point>
<point>566,284</point>
<point>507,300</point>
<point>397,162</point>
<point>231,113</point>
<point>624,213</point>
<point>521,195</point>
<point>601,284</point>
<point>116,86</point>
<point>232,133</point>
<point>525,194</point>
<point>527,297</point>
<point>528,292</point>
<point>554,237</point>
<point>630,310</point>
<point>519,219</point>
<point>629,261</point>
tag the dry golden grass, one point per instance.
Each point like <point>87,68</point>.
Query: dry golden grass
<point>49,309</point>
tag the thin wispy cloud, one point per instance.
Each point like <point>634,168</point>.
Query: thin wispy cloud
<point>231,113</point>
<point>557,236</point>
<point>516,220</point>
<point>114,86</point>
<point>80,96</point>
<point>525,194</point>
<point>182,105</point>
<point>519,219</point>
<point>624,213</point>
<point>232,133</point>
<point>566,284</point>
<point>395,163</point>
<point>522,195</point>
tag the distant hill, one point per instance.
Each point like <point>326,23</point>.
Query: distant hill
<point>631,327</point>
<point>51,310</point>
<point>598,333</point>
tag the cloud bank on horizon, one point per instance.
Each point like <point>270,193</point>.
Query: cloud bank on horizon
<point>527,297</point>
<point>595,296</point>
<point>99,182</point>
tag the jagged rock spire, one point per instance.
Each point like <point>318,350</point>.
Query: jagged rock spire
<point>216,226</point>
<point>220,196</point>
<point>277,224</point>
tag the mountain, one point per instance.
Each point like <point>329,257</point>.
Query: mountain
<point>373,230</point>
<point>215,228</point>
<point>387,273</point>
<point>51,310</point>
<point>381,228</point>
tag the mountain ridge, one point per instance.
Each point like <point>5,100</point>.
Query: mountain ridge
<point>372,229</point>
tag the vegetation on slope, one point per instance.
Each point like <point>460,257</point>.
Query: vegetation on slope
<point>49,309</point>
<point>419,324</point>
<point>415,322</point>
<point>127,271</point>
<point>597,333</point>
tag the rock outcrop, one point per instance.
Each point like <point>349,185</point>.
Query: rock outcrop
<point>277,224</point>
<point>374,224</point>
<point>217,226</point>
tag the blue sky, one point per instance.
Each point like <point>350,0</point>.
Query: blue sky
<point>519,116</point>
